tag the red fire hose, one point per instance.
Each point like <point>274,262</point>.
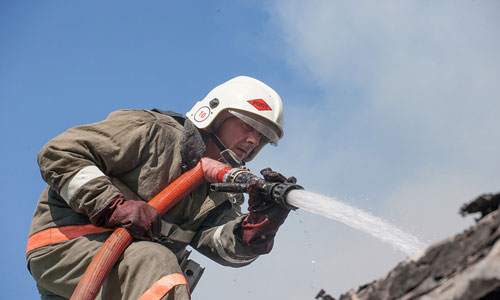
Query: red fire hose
<point>120,239</point>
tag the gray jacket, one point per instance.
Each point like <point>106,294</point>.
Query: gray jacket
<point>137,153</point>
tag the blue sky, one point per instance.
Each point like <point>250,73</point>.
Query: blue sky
<point>391,107</point>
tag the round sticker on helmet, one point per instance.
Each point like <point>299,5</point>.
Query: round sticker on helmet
<point>202,114</point>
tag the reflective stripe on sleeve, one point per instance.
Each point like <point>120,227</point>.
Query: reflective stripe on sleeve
<point>59,234</point>
<point>222,252</point>
<point>163,286</point>
<point>86,174</point>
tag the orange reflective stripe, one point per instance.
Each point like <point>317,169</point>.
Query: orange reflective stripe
<point>163,286</point>
<point>59,234</point>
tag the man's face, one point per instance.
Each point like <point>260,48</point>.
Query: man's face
<point>238,136</point>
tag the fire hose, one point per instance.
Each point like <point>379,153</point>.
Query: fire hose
<point>235,180</point>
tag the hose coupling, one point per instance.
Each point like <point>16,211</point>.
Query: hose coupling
<point>231,175</point>
<point>237,180</point>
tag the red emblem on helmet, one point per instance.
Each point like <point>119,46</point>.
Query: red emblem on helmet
<point>259,104</point>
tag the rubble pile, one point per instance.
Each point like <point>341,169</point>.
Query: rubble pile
<point>466,266</point>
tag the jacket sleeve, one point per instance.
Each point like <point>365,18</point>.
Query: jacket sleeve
<point>220,237</point>
<point>77,163</point>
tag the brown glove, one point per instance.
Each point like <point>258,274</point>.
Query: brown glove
<point>140,219</point>
<point>260,226</point>
<point>273,176</point>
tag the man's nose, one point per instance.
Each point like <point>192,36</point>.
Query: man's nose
<point>254,137</point>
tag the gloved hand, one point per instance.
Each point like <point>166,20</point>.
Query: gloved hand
<point>260,226</point>
<point>140,219</point>
<point>273,176</point>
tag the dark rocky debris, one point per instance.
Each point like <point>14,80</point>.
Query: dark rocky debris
<point>483,204</point>
<point>466,266</point>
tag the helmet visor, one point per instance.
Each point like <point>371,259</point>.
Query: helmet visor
<point>266,131</point>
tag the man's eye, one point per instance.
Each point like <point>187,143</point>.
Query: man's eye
<point>248,127</point>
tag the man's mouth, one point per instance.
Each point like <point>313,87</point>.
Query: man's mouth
<point>241,152</point>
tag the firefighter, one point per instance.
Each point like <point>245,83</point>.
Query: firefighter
<point>101,175</point>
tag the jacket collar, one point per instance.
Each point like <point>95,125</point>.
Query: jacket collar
<point>193,145</point>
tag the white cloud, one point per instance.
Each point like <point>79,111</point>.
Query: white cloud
<point>407,128</point>
<point>421,90</point>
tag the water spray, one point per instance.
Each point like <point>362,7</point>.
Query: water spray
<point>293,196</point>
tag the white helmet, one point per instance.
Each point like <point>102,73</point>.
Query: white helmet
<point>248,99</point>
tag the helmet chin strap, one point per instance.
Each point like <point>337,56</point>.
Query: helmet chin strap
<point>227,155</point>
